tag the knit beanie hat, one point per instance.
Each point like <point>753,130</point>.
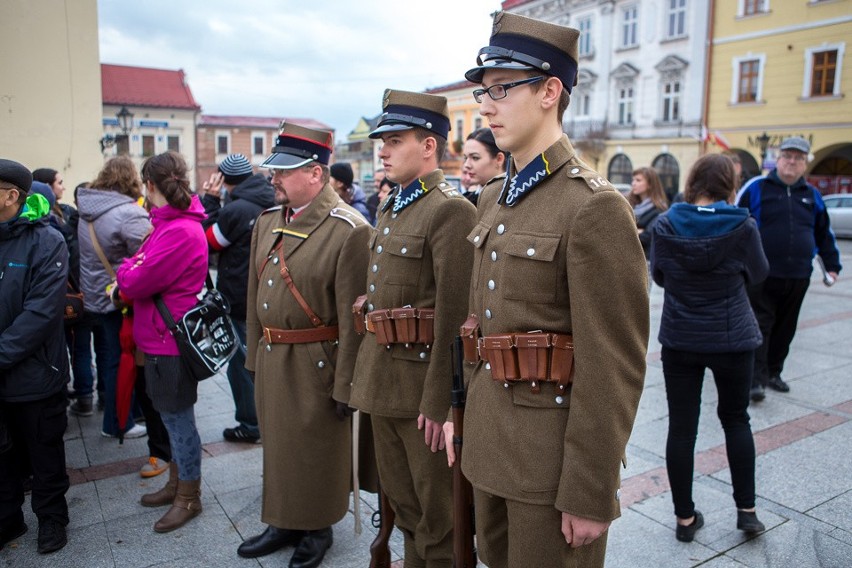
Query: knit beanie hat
<point>45,190</point>
<point>236,169</point>
<point>342,171</point>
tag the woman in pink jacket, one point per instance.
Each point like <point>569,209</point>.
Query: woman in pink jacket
<point>172,262</point>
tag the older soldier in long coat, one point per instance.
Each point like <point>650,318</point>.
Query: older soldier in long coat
<point>309,258</point>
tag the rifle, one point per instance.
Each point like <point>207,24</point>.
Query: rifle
<point>464,554</point>
<point>379,549</point>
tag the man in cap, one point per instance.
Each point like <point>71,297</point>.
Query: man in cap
<point>560,290</point>
<point>308,264</point>
<point>228,228</point>
<point>342,180</point>
<point>33,361</point>
<point>794,226</point>
<point>419,264</point>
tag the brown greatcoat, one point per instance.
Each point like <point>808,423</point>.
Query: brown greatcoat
<point>566,259</point>
<point>306,448</point>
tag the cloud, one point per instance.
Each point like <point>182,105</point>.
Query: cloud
<point>325,60</point>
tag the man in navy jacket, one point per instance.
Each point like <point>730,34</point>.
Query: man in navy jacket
<point>33,361</point>
<point>794,226</point>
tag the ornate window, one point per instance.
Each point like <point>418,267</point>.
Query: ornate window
<point>625,88</point>
<point>672,69</point>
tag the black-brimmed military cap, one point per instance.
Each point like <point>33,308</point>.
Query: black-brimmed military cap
<point>16,174</point>
<point>297,146</point>
<point>527,44</point>
<point>403,110</point>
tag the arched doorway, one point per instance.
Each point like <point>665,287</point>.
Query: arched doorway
<point>831,171</point>
<point>669,173</point>
<point>620,172</point>
<point>750,166</point>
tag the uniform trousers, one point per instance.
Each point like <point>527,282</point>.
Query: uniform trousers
<point>419,486</point>
<point>512,534</point>
<point>776,303</point>
<point>36,429</point>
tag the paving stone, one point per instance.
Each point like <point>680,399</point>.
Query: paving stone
<point>794,545</point>
<point>836,511</point>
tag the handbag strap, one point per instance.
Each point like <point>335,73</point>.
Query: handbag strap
<point>100,251</point>
<point>164,311</point>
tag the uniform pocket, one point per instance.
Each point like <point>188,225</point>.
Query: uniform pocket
<point>323,363</point>
<point>405,259</point>
<point>531,275</point>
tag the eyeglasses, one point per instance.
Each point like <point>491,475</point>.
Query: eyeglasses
<point>501,90</point>
<point>793,157</point>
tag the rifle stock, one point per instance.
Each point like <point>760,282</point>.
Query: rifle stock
<point>380,549</point>
<point>464,554</point>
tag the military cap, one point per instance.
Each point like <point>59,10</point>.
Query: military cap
<point>403,110</point>
<point>297,145</point>
<point>12,172</point>
<point>523,43</point>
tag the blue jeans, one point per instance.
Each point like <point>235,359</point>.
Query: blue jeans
<point>242,385</point>
<point>185,442</point>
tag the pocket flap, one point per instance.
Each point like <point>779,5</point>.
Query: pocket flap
<point>534,246</point>
<point>407,246</point>
<point>479,234</point>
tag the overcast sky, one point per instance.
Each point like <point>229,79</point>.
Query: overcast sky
<point>324,59</point>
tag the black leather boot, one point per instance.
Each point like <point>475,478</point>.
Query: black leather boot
<point>269,541</point>
<point>312,549</point>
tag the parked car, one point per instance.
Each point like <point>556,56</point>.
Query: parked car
<point>839,208</point>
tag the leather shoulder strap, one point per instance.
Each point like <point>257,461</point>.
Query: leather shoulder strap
<point>285,274</point>
<point>100,251</point>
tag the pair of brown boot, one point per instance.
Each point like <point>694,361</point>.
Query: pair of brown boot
<point>183,496</point>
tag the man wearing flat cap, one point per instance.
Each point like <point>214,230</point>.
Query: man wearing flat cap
<point>794,227</point>
<point>33,361</point>
<point>308,265</point>
<point>419,266</point>
<point>559,288</point>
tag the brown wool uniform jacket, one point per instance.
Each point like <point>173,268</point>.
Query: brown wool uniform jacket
<point>566,259</point>
<point>306,449</point>
<point>418,257</point>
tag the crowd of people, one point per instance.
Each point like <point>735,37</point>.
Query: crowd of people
<point>344,307</point>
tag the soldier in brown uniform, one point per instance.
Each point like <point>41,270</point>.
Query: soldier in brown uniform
<point>308,265</point>
<point>419,272</point>
<point>557,269</point>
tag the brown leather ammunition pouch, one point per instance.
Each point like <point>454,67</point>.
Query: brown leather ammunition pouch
<point>533,357</point>
<point>402,325</point>
<point>426,326</point>
<point>405,325</point>
<point>383,327</point>
<point>562,360</point>
<point>529,357</point>
<point>470,333</point>
<point>359,314</point>
<point>499,351</point>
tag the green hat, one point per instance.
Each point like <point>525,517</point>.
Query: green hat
<point>523,43</point>
<point>403,110</point>
<point>299,145</point>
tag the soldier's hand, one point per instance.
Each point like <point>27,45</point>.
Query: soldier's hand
<point>343,410</point>
<point>579,531</point>
<point>433,433</point>
<point>449,430</point>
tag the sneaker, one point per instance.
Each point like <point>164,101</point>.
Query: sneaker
<point>136,432</point>
<point>11,532</point>
<point>686,533</point>
<point>757,393</point>
<point>154,467</point>
<point>777,383</point>
<point>82,406</point>
<point>51,536</point>
<point>241,434</point>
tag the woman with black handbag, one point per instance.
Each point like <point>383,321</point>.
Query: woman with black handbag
<point>171,264</point>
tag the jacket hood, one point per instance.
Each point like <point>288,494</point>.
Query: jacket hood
<point>35,211</point>
<point>701,237</point>
<point>92,203</point>
<point>255,189</point>
<point>194,212</point>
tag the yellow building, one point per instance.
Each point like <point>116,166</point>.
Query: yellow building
<point>464,119</point>
<point>779,69</point>
<point>50,92</point>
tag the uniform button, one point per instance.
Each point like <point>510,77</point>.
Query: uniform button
<point>379,249</point>
<point>501,228</point>
<point>269,282</point>
<point>488,314</point>
<point>494,255</point>
<point>265,306</point>
<point>372,287</point>
<point>618,494</point>
<point>488,366</point>
<point>559,400</point>
<point>275,260</point>
<point>476,239</point>
<point>369,307</point>
<point>575,170</point>
<point>386,230</point>
<point>422,354</point>
<point>530,252</point>
<point>491,285</point>
<point>321,364</point>
<point>374,268</point>
<point>403,250</point>
<point>393,216</point>
<point>268,347</point>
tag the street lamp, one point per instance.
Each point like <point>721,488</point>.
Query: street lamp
<point>125,122</point>
<point>763,144</point>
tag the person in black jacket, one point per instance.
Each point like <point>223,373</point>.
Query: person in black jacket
<point>228,229</point>
<point>794,225</point>
<point>703,253</point>
<point>33,360</point>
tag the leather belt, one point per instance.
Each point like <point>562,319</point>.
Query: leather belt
<point>310,335</point>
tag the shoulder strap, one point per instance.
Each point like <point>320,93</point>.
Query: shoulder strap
<point>165,313</point>
<point>285,274</point>
<point>100,251</point>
